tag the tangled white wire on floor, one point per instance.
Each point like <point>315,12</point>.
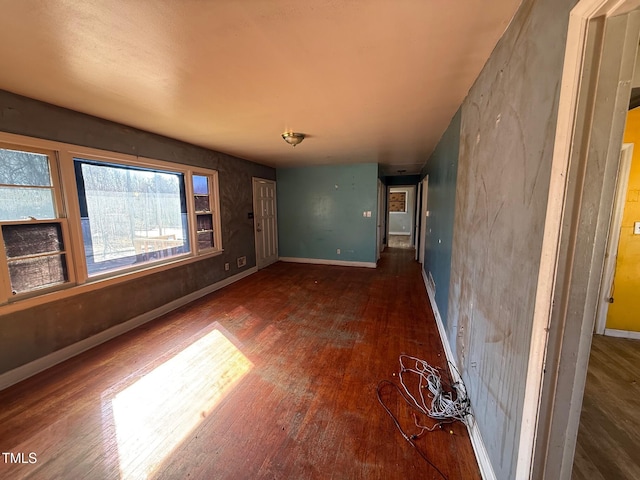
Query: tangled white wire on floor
<point>439,404</point>
<point>442,401</point>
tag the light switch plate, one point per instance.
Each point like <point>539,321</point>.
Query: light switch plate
<point>636,228</point>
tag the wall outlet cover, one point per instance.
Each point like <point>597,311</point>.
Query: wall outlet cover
<point>636,228</point>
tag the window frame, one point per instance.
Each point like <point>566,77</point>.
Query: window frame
<point>214,205</point>
<point>78,223</point>
<point>67,209</point>
<point>405,202</point>
<point>60,217</point>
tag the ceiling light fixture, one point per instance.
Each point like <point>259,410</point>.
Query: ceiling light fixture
<point>293,138</point>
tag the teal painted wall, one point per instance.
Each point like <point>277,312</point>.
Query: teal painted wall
<point>442,168</point>
<point>320,210</point>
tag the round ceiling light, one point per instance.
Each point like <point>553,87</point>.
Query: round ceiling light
<point>293,138</point>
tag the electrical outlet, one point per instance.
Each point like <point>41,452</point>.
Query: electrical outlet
<point>338,251</point>
<point>227,267</point>
<point>636,228</point>
<point>242,261</point>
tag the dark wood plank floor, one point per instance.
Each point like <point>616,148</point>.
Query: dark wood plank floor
<point>272,377</point>
<point>608,445</point>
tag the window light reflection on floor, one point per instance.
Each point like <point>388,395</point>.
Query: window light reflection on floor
<point>156,413</point>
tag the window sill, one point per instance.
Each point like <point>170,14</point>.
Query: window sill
<point>28,301</point>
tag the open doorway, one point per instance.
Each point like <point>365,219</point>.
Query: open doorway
<point>609,429</point>
<point>601,50</point>
<point>401,206</point>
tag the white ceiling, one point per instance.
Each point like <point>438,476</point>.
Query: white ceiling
<point>366,80</point>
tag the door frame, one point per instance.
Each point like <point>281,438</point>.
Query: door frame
<point>602,42</point>
<point>423,218</point>
<point>417,224</point>
<point>255,181</point>
<point>380,220</point>
<point>614,237</point>
<point>410,190</point>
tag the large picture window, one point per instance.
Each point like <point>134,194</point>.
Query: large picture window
<point>71,215</point>
<point>130,216</point>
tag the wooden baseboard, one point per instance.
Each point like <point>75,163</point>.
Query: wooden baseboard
<point>482,456</point>
<point>322,261</point>
<point>32,368</point>
<point>610,332</point>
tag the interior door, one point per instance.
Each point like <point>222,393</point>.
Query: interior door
<point>380,220</point>
<point>265,223</point>
<point>418,222</point>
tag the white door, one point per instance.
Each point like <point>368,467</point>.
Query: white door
<point>423,218</point>
<point>380,219</point>
<point>418,223</point>
<point>265,223</point>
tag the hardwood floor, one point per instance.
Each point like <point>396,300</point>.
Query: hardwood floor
<point>272,377</point>
<point>608,444</point>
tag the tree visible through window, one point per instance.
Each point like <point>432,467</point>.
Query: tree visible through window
<point>33,244</point>
<point>130,215</point>
<point>25,186</point>
<point>103,215</point>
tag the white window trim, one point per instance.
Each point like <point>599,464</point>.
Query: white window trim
<point>66,193</point>
<point>406,200</point>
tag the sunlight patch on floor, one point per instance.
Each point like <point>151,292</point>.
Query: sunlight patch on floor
<point>156,413</point>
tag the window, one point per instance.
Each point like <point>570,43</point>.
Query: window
<point>129,215</point>
<point>204,211</point>
<point>124,216</point>
<point>33,239</point>
<point>26,189</point>
<point>35,256</point>
<point>397,202</point>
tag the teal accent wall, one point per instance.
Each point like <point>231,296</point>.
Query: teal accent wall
<point>320,210</point>
<point>442,168</point>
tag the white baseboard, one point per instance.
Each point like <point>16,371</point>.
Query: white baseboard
<point>32,368</point>
<point>482,456</point>
<point>610,332</point>
<point>322,261</point>
<point>406,234</point>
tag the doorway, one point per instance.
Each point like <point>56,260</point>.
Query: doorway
<point>608,277</point>
<point>401,207</point>
<point>423,218</point>
<point>265,222</point>
<point>381,221</point>
<point>602,43</point>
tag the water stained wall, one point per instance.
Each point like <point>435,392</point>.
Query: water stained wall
<point>507,134</point>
